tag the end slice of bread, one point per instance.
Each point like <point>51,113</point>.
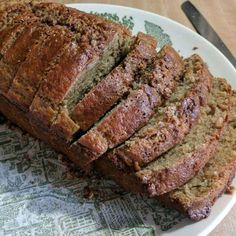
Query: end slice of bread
<point>196,197</point>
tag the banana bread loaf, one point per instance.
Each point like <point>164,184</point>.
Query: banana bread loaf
<point>76,40</point>
<point>58,65</point>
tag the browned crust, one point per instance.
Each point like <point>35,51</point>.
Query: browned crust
<point>37,64</point>
<point>17,54</point>
<point>90,27</point>
<point>19,50</point>
<point>12,13</point>
<point>7,35</point>
<point>106,93</point>
<point>8,67</point>
<point>72,17</point>
<point>172,129</point>
<point>49,11</point>
<point>23,4</point>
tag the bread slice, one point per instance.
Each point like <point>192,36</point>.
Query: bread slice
<point>44,54</point>
<point>171,122</point>
<point>183,161</point>
<point>196,197</point>
<point>98,48</point>
<point>132,113</point>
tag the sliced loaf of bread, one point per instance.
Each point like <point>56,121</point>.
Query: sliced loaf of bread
<point>183,161</point>
<point>196,197</point>
<point>83,49</point>
<point>95,48</point>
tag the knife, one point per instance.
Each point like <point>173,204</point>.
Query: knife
<point>204,28</point>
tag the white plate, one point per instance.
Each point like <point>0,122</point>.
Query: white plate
<point>40,195</point>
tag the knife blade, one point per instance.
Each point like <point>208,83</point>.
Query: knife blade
<point>201,25</point>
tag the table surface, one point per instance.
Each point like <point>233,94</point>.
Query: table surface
<point>221,15</point>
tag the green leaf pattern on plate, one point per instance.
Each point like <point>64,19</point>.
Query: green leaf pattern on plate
<point>157,32</point>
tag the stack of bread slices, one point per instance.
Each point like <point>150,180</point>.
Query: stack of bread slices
<point>155,123</point>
